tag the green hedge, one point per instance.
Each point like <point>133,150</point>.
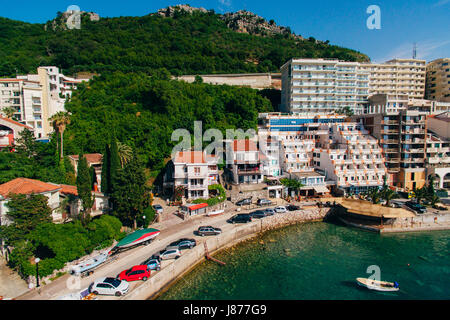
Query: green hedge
<point>221,197</point>
<point>57,244</point>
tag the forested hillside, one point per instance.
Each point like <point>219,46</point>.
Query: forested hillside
<point>184,43</point>
<point>142,111</point>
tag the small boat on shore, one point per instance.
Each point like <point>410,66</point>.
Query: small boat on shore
<point>378,285</point>
<point>215,213</point>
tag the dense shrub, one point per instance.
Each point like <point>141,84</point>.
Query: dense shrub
<point>57,244</point>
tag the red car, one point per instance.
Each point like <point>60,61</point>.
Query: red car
<point>141,272</point>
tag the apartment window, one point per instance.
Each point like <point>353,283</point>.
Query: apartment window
<point>197,170</point>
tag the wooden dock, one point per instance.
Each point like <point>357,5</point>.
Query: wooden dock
<point>208,256</point>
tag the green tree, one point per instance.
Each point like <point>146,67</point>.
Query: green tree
<point>26,144</point>
<point>9,112</point>
<point>375,195</point>
<point>129,195</point>
<point>84,189</point>
<point>25,212</point>
<point>114,163</point>
<point>292,184</point>
<point>106,171</point>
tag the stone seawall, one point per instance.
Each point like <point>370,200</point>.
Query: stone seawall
<point>190,258</point>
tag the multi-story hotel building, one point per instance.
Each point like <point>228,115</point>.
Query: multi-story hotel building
<point>397,78</point>
<point>36,97</point>
<point>438,80</point>
<point>312,147</point>
<point>351,157</point>
<point>324,85</point>
<point>403,136</point>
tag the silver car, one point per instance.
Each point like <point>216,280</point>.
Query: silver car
<point>280,209</point>
<point>269,211</point>
<point>158,208</point>
<point>109,286</point>
<point>170,254</point>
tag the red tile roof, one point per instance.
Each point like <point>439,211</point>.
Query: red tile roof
<point>15,122</point>
<point>26,186</point>
<point>197,206</point>
<point>190,157</point>
<point>90,157</point>
<point>244,145</point>
<point>67,189</point>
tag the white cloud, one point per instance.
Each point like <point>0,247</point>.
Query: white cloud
<point>426,50</point>
<point>441,3</point>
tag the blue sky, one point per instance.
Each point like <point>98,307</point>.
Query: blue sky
<point>403,22</point>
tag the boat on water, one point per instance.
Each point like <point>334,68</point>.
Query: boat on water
<point>378,285</point>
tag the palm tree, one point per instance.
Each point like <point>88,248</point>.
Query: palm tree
<point>60,120</point>
<point>374,195</point>
<point>420,194</point>
<point>388,195</point>
<point>434,200</point>
<point>9,112</point>
<point>125,153</point>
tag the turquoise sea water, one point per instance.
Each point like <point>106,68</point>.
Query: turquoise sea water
<point>321,261</point>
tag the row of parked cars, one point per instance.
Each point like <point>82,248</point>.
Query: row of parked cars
<point>248,201</point>
<point>119,285</point>
<point>258,214</point>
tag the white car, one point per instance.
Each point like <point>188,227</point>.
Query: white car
<point>158,208</point>
<point>169,254</point>
<point>280,209</point>
<point>109,286</point>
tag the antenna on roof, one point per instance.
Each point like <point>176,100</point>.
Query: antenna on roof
<point>414,51</point>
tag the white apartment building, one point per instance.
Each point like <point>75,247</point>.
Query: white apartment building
<point>326,85</point>
<point>323,86</point>
<point>37,97</point>
<point>26,98</point>
<point>193,170</point>
<point>351,157</point>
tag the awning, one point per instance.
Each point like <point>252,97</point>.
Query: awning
<point>198,206</point>
<point>321,189</point>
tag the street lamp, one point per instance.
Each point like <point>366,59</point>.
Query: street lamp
<point>37,271</point>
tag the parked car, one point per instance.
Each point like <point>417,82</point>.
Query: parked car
<point>158,208</point>
<point>208,231</point>
<point>244,202</point>
<point>258,214</point>
<point>182,244</point>
<point>292,207</point>
<point>269,211</point>
<point>109,286</point>
<point>240,218</point>
<point>264,202</point>
<point>169,254</point>
<point>280,209</point>
<point>153,264</point>
<point>140,272</point>
<point>416,207</point>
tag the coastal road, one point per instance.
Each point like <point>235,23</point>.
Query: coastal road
<point>127,259</point>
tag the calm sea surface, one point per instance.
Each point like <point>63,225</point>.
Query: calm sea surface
<point>321,261</point>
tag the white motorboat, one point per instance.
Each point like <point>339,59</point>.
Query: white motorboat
<point>378,285</point>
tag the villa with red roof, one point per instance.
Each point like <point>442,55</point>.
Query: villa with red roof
<point>193,170</point>
<point>9,131</point>
<point>55,193</point>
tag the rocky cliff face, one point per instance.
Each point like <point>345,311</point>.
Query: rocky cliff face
<point>247,22</point>
<point>170,10</point>
<point>241,21</point>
